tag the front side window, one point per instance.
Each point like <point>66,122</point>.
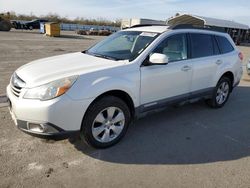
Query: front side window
<point>202,45</point>
<point>174,47</point>
<point>123,45</point>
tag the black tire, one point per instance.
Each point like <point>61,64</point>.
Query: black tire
<point>95,109</point>
<point>30,27</point>
<point>213,101</point>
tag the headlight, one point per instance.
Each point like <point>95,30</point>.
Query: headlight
<point>51,90</point>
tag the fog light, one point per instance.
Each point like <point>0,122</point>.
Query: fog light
<point>36,127</point>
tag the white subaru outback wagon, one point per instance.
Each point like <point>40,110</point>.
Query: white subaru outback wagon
<point>99,91</point>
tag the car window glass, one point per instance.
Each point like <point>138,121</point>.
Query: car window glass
<point>225,45</point>
<point>123,45</point>
<point>216,47</point>
<point>202,45</point>
<point>125,42</point>
<point>174,47</point>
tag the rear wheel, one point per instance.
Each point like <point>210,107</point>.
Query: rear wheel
<point>106,122</point>
<point>221,93</point>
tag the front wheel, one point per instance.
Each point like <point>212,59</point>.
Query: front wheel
<point>221,93</point>
<point>105,122</point>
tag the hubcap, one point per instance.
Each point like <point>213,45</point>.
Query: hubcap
<point>108,124</point>
<point>222,93</point>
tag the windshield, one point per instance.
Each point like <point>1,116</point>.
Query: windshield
<point>123,45</point>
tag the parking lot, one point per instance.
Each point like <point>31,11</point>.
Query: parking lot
<point>188,146</point>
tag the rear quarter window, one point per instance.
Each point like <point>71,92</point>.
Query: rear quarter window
<point>224,45</point>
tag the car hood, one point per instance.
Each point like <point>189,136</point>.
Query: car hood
<point>45,70</point>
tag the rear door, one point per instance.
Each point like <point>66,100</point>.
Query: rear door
<point>205,57</point>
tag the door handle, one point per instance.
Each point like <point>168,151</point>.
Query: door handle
<point>218,62</point>
<point>186,68</point>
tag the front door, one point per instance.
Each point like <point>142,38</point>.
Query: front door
<point>161,84</point>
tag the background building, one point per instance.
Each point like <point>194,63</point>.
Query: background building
<point>239,32</point>
<point>125,23</point>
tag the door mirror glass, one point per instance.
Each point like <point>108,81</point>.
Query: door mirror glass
<point>158,59</point>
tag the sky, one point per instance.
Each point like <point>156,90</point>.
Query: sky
<point>237,10</point>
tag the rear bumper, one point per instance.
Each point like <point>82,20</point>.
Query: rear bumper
<point>236,84</point>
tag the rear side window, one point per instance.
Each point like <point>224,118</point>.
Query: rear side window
<point>224,44</point>
<point>216,47</point>
<point>201,45</point>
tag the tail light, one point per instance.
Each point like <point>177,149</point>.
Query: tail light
<point>241,56</point>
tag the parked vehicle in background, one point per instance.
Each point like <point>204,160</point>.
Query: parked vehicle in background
<point>18,24</point>
<point>81,32</point>
<point>104,32</point>
<point>248,67</point>
<point>94,32</point>
<point>34,24</point>
<point>99,91</point>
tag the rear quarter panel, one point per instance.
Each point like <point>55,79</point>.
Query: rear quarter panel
<point>231,63</point>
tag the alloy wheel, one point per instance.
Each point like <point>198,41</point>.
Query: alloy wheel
<point>108,124</point>
<point>222,93</point>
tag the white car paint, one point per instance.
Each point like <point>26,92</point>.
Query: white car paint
<point>144,85</point>
<point>48,69</point>
<point>157,81</point>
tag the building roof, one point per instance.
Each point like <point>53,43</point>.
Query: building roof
<point>153,29</point>
<point>201,20</point>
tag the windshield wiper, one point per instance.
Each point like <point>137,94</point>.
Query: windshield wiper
<point>105,57</point>
<point>101,56</point>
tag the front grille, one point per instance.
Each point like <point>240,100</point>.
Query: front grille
<point>16,90</point>
<point>16,85</point>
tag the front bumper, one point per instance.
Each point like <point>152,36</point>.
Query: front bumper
<point>57,134</point>
<point>60,116</point>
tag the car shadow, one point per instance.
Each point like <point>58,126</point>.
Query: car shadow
<point>191,134</point>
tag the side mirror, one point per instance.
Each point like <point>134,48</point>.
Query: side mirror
<point>158,59</point>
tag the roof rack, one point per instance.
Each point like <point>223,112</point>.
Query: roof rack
<point>145,25</point>
<point>190,26</point>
